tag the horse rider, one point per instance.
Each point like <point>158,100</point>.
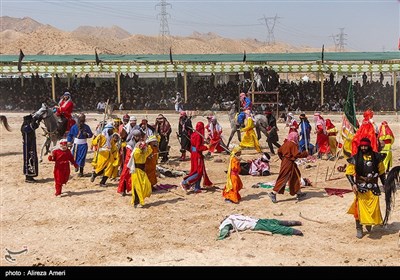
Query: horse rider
<point>245,105</point>
<point>64,111</point>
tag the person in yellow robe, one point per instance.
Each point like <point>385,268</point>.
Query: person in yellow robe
<point>386,140</point>
<point>141,186</point>
<point>102,144</point>
<point>151,161</point>
<point>111,170</point>
<point>363,171</point>
<point>249,139</point>
<point>233,182</point>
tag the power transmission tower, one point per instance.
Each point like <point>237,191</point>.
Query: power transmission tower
<point>270,23</point>
<point>341,39</point>
<point>164,28</point>
<point>334,42</point>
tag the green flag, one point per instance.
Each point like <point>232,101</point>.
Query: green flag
<point>349,123</point>
<point>349,107</point>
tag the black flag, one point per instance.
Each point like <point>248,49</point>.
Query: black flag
<point>97,58</point>
<point>322,54</point>
<point>21,57</point>
<point>170,56</point>
<point>244,56</point>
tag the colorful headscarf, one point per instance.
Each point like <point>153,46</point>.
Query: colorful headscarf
<point>294,137</point>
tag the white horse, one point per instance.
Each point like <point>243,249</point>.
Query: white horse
<point>260,123</point>
<point>53,130</point>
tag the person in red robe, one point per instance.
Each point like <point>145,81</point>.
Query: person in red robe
<point>289,173</point>
<point>62,157</point>
<point>214,131</point>
<point>197,165</point>
<point>322,136</point>
<point>64,111</point>
<point>367,129</point>
<point>125,181</point>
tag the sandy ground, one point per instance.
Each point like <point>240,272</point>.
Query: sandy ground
<point>94,226</point>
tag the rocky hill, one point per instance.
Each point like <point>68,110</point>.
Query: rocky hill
<point>36,38</point>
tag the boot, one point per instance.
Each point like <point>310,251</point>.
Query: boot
<point>103,181</point>
<point>80,174</point>
<point>93,176</point>
<point>359,229</point>
<point>29,179</point>
<point>297,232</point>
<point>369,228</point>
<point>290,223</point>
<point>273,197</point>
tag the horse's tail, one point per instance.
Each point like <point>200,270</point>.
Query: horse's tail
<point>3,119</point>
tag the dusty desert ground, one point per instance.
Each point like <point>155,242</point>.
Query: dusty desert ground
<point>94,226</point>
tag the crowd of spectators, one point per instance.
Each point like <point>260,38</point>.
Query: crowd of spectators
<point>203,93</point>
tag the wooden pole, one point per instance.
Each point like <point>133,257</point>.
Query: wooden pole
<point>394,92</point>
<point>322,84</point>
<point>119,87</point>
<point>185,85</point>
<point>53,87</point>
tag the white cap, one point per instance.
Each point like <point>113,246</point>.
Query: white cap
<point>132,118</point>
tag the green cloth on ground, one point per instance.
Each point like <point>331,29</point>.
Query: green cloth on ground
<point>267,186</point>
<point>224,232</point>
<point>272,225</point>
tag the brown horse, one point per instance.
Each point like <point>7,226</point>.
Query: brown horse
<point>3,120</point>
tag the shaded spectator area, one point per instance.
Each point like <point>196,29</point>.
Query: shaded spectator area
<point>204,92</point>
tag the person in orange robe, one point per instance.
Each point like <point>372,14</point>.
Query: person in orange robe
<point>62,157</point>
<point>289,173</point>
<point>233,183</point>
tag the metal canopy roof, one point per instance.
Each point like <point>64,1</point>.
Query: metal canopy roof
<point>354,62</point>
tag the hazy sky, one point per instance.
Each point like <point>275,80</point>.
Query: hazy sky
<point>368,25</point>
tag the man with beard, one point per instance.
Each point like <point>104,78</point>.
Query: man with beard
<point>77,138</point>
<point>362,172</point>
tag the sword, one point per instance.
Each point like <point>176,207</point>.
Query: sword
<point>204,138</point>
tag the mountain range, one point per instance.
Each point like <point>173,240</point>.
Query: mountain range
<point>35,38</point>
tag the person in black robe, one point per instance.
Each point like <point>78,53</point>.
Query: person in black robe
<point>31,164</point>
